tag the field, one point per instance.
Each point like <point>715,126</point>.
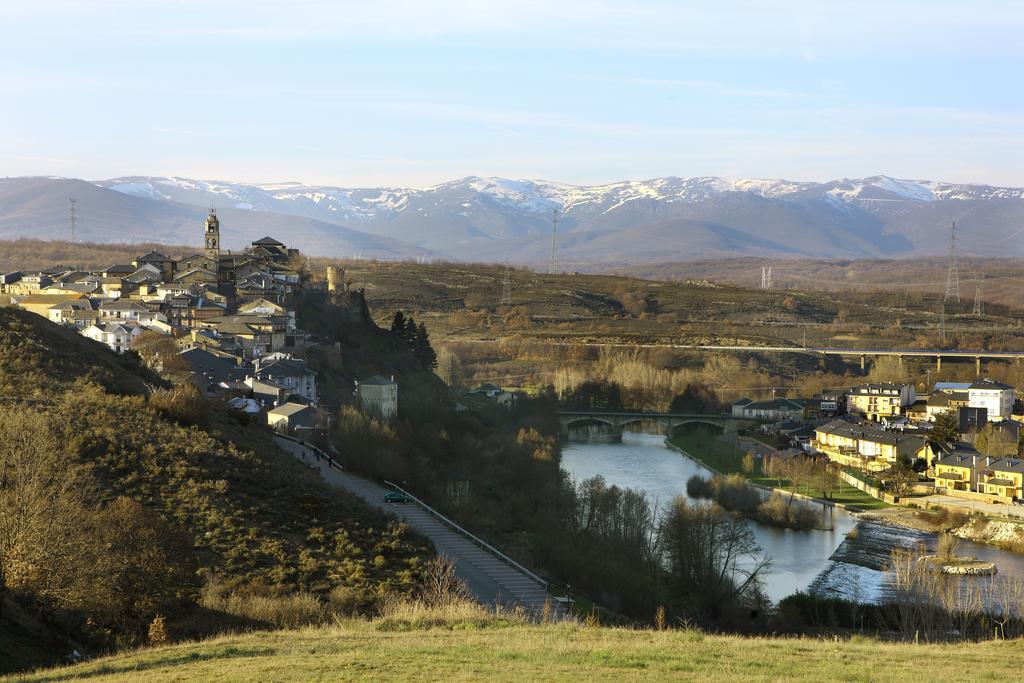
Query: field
<point>372,651</point>
<point>563,322</point>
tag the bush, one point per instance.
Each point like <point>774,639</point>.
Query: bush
<point>269,608</point>
<point>699,487</point>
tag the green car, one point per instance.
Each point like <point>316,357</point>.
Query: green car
<point>396,497</point>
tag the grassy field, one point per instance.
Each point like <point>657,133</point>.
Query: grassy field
<point>723,458</point>
<point>371,651</point>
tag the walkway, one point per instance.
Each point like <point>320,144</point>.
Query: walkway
<point>491,580</point>
<point>996,509</point>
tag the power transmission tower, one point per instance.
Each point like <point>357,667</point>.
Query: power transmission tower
<point>766,277</point>
<point>771,284</point>
<point>942,320</point>
<point>74,219</point>
<point>506,288</point>
<point>953,273</point>
<point>977,297</point>
<point>553,259</point>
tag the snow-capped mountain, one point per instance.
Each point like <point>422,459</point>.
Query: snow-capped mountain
<point>663,219</point>
<point>533,196</point>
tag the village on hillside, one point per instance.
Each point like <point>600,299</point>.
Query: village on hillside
<point>228,317</point>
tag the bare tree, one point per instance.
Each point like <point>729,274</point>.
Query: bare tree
<point>707,550</point>
<point>43,503</point>
<point>440,586</point>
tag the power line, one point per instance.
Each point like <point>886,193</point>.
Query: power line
<point>977,297</point>
<point>953,271</point>
<point>553,259</point>
<point>506,288</point>
<point>74,219</point>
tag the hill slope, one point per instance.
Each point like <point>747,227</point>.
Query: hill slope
<point>389,651</point>
<point>243,509</point>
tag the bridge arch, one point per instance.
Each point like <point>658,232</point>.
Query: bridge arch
<point>698,422</point>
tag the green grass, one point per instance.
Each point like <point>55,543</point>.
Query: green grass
<point>723,458</point>
<point>473,651</point>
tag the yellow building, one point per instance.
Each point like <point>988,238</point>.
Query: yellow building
<point>959,470</point>
<point>40,304</point>
<point>875,401</point>
<point>1004,477</point>
<point>866,447</point>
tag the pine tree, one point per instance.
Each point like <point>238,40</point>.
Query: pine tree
<point>398,323</point>
<point>409,335</point>
<point>946,428</point>
<point>423,350</point>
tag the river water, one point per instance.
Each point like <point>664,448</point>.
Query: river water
<point>824,562</point>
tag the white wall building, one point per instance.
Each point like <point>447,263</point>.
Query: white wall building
<point>994,396</point>
<point>378,396</point>
<point>117,336</point>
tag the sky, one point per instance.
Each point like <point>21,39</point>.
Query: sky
<point>412,93</point>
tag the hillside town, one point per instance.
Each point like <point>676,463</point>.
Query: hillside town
<point>229,317</point>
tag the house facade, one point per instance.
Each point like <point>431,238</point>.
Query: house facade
<point>997,398</point>
<point>865,446</point>
<point>875,401</point>
<point>378,396</point>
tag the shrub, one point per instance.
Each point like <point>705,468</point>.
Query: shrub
<point>698,487</point>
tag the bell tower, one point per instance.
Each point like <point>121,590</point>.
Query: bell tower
<point>212,236</point>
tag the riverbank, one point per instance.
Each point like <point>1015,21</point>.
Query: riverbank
<point>713,455</point>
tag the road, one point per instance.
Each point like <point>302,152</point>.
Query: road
<point>821,350</point>
<point>998,509</point>
<point>491,580</point>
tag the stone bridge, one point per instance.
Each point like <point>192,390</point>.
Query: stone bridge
<point>610,423</point>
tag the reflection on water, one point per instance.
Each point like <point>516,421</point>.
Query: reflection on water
<point>643,462</point>
<point>824,562</point>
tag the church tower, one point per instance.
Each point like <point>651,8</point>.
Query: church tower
<point>213,236</point>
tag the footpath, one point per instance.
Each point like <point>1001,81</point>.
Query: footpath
<point>491,579</point>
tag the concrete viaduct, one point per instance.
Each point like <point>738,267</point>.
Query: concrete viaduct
<point>937,354</point>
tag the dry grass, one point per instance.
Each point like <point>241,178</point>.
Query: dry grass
<point>359,650</point>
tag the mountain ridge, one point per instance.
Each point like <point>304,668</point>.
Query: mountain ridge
<point>672,218</point>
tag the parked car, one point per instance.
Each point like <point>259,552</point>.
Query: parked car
<point>396,497</point>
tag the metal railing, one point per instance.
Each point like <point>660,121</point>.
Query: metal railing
<point>317,452</point>
<point>475,539</point>
<point>331,462</point>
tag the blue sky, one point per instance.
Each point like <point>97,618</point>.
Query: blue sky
<point>414,93</point>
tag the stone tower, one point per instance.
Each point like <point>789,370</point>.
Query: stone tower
<point>212,236</point>
<point>335,279</point>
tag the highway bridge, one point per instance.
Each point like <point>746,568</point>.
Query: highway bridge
<point>937,354</point>
<point>846,352</point>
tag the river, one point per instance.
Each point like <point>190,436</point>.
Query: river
<point>824,562</point>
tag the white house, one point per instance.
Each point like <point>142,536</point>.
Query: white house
<point>378,395</point>
<point>117,336</point>
<point>77,312</point>
<point>127,309</point>
<point>997,398</point>
<point>290,373</point>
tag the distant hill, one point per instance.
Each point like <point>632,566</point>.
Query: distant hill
<point>39,208</point>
